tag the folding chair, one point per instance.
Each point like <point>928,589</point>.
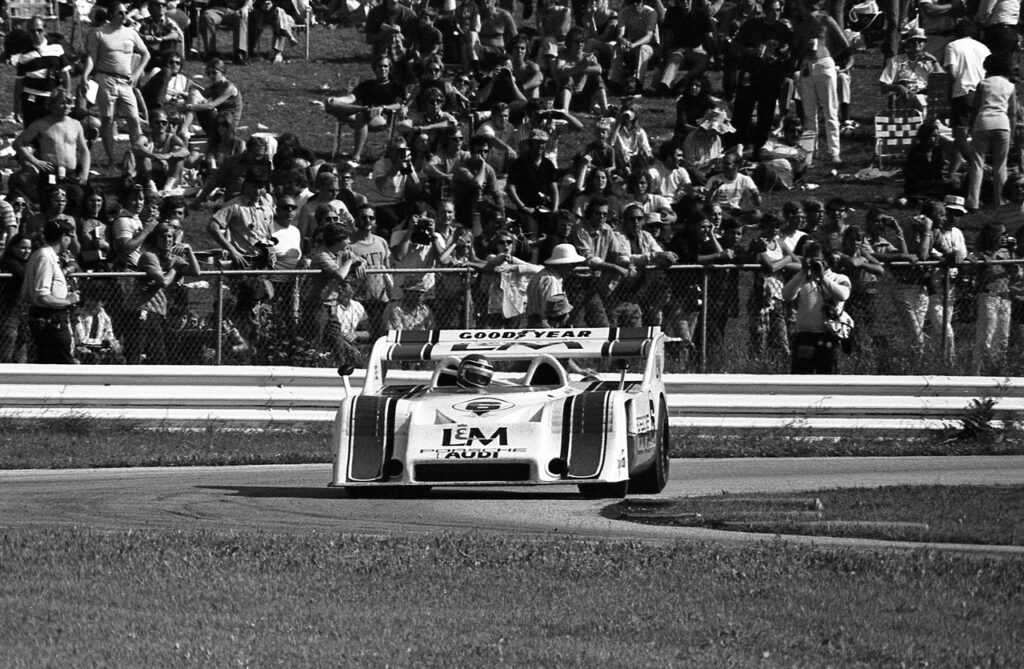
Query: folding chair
<point>894,134</point>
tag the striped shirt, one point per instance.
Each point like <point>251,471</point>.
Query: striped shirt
<point>39,69</point>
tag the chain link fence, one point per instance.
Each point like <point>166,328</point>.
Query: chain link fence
<point>922,318</point>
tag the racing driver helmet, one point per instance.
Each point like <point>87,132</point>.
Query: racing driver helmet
<point>475,371</point>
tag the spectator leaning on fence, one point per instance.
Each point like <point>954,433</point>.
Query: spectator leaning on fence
<point>46,292</point>
<point>164,264</point>
<point>816,289</point>
<point>337,264</point>
<point>994,281</point>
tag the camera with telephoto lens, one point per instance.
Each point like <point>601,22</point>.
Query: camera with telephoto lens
<point>421,231</point>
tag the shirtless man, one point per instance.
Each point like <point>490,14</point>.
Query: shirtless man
<point>497,30</point>
<point>63,156</point>
<point>110,52</point>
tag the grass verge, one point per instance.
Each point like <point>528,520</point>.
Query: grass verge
<point>936,514</point>
<point>78,442</point>
<point>131,599</point>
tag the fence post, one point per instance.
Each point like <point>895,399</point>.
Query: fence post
<point>947,317</point>
<point>467,299</point>
<point>704,282</point>
<point>219,320</point>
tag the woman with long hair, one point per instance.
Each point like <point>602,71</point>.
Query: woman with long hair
<point>692,104</point>
<point>13,329</point>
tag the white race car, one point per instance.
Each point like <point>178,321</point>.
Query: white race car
<point>510,407</point>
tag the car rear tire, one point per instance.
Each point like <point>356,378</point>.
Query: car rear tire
<point>654,479</point>
<point>615,490</point>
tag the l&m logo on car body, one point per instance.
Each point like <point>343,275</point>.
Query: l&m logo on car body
<point>483,405</point>
<point>464,436</point>
<point>531,345</point>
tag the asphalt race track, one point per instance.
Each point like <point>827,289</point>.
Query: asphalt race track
<point>295,499</point>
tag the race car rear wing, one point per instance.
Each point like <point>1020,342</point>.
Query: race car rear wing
<point>513,344</point>
<point>519,344</point>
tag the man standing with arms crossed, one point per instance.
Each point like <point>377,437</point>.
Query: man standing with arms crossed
<point>110,51</point>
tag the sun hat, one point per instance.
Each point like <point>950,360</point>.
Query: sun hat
<point>956,203</point>
<point>915,34</point>
<point>564,254</point>
<point>717,120</point>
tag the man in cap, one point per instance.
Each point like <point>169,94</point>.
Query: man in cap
<point>547,304</point>
<point>411,311</point>
<point>245,220</point>
<point>49,298</point>
<point>905,76</point>
<point>533,182</point>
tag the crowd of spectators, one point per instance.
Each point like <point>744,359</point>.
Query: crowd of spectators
<point>473,213</point>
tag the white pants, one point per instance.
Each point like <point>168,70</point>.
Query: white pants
<point>991,330</point>
<point>818,89</point>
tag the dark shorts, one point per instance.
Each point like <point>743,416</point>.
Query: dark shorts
<point>960,112</point>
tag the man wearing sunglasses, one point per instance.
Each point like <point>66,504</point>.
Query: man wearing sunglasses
<point>160,156</point>
<point>40,72</point>
<point>110,57</point>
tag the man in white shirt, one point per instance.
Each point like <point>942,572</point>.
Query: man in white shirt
<point>964,60</point>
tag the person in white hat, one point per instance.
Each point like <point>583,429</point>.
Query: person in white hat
<point>547,304</point>
<point>905,76</point>
<point>704,144</point>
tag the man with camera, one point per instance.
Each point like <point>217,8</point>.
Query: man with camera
<point>244,220</point>
<point>817,291</point>
<point>533,183</point>
<point>395,183</point>
<point>417,244</point>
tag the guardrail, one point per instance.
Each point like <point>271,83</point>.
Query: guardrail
<point>280,396</point>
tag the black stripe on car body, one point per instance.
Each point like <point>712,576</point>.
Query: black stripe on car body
<point>372,435</point>
<point>589,430</point>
